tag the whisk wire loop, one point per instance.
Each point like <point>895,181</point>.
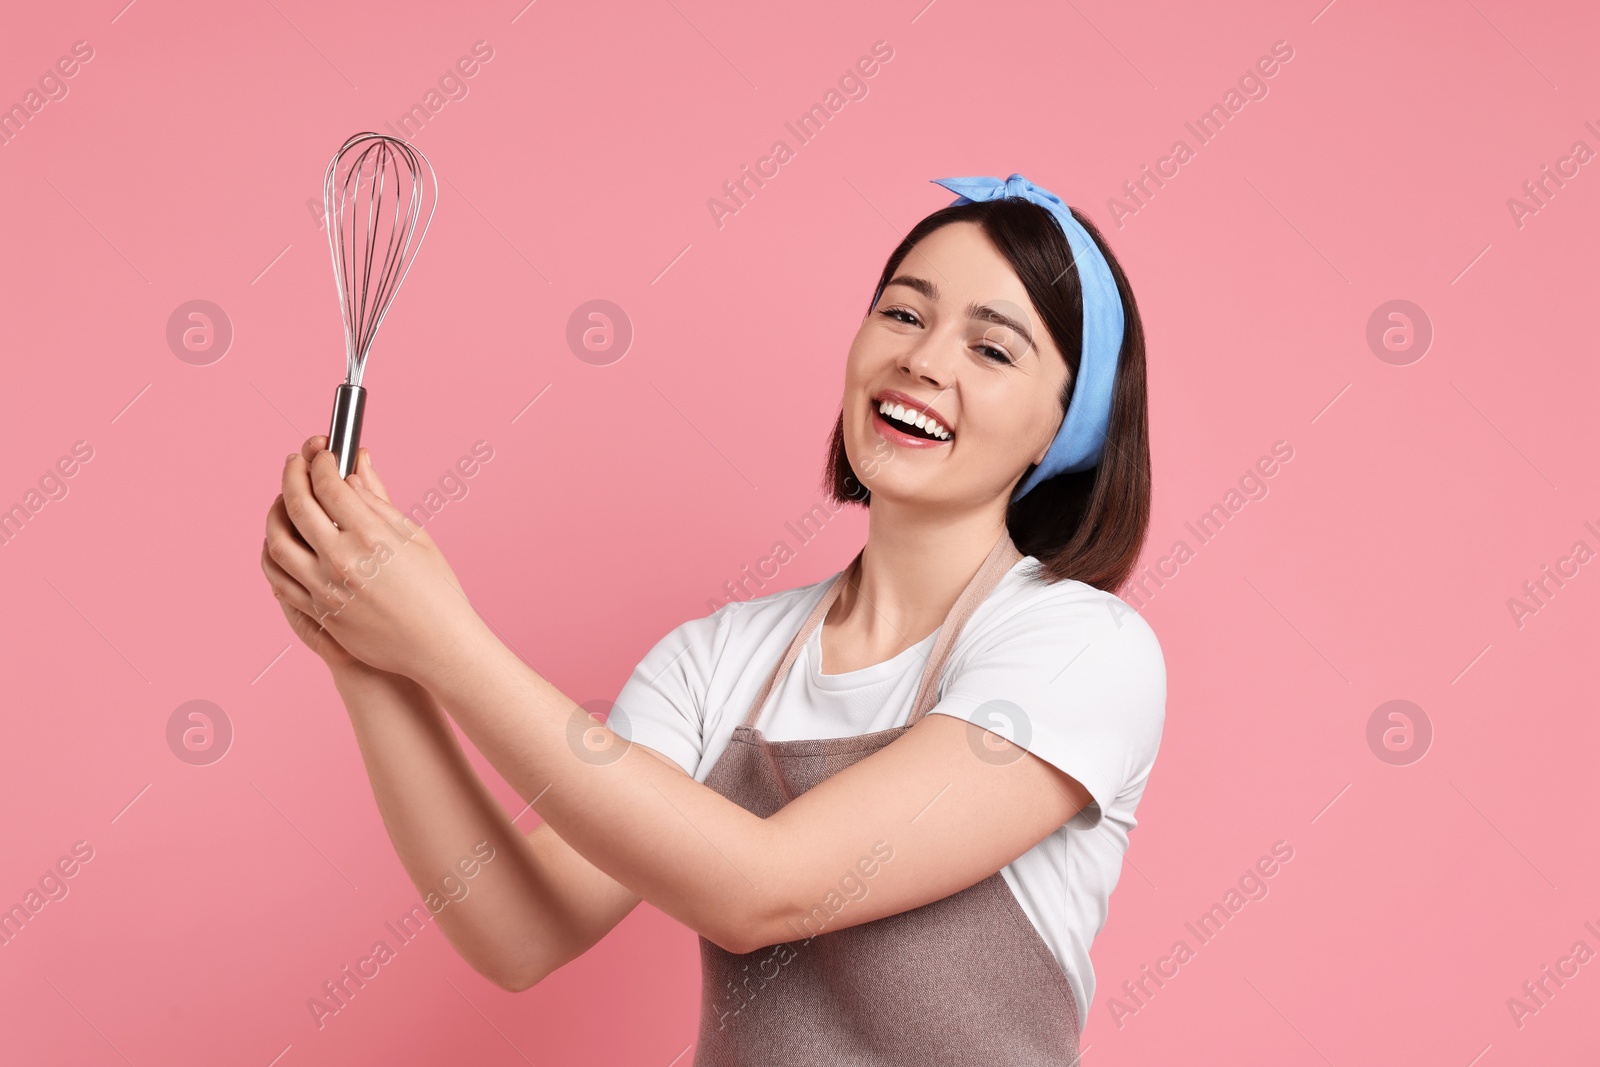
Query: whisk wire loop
<point>373,195</point>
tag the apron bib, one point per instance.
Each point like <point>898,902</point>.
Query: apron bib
<point>965,980</point>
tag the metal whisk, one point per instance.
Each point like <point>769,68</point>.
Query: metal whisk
<point>373,194</point>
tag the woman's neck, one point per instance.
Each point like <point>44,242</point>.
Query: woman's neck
<point>913,568</point>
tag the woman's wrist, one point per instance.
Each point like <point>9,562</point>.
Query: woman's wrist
<point>461,651</point>
<point>451,648</point>
<point>353,677</point>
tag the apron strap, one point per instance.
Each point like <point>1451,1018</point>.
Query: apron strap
<point>799,641</point>
<point>1001,558</point>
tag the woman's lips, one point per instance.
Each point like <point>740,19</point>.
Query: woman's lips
<point>898,437</point>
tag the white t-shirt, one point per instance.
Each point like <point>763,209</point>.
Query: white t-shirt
<point>1082,671</point>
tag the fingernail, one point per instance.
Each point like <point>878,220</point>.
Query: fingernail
<point>289,458</point>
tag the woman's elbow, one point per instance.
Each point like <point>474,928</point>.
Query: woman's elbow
<point>509,973</point>
<point>744,930</point>
<point>515,976</point>
<point>518,981</point>
<point>736,930</point>
<point>731,943</point>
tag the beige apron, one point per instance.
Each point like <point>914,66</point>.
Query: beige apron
<point>965,980</point>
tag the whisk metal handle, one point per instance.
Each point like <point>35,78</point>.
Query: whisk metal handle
<point>344,435</point>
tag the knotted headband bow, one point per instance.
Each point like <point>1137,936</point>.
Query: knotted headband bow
<point>1079,442</point>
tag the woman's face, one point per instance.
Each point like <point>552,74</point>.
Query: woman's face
<point>954,333</point>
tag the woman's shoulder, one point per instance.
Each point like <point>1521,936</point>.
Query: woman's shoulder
<point>1083,672</point>
<point>759,614</point>
<point>1074,611</point>
<point>778,603</point>
<point>1024,606</point>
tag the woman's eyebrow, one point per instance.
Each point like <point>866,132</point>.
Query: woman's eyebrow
<point>974,311</point>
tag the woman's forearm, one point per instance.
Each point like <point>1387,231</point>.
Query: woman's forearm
<point>685,848</point>
<point>437,811</point>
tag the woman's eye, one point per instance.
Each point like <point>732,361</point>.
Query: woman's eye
<point>996,355</point>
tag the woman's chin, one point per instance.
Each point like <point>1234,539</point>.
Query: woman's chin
<point>906,490</point>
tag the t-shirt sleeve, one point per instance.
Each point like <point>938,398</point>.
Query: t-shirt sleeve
<point>662,704</point>
<point>1077,678</point>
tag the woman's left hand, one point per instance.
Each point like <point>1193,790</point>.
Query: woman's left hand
<point>371,577</point>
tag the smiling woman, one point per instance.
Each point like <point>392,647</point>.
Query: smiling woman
<point>968,696</point>
<point>1088,524</point>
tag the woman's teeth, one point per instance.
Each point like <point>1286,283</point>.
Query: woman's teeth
<point>916,419</point>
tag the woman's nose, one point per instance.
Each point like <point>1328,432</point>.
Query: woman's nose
<point>932,358</point>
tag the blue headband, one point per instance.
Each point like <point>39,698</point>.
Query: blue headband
<point>1079,442</point>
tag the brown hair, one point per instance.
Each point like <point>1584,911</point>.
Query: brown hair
<point>1088,525</point>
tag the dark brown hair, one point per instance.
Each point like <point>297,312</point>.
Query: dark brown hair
<point>1088,525</point>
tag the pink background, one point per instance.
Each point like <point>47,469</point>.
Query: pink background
<point>1378,567</point>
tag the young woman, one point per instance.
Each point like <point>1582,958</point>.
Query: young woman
<point>892,804</point>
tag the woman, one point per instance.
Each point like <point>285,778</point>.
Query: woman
<point>899,850</point>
